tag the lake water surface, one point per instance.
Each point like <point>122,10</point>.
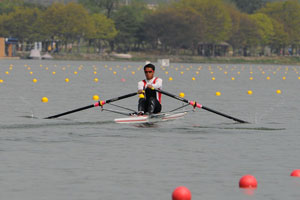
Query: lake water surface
<point>86,156</point>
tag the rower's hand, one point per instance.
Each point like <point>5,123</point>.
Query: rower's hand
<point>141,92</point>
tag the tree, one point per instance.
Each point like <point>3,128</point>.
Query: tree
<point>244,34</point>
<point>288,14</point>
<point>103,29</point>
<point>97,6</point>
<point>249,6</point>
<point>24,24</point>
<point>128,21</point>
<point>68,23</point>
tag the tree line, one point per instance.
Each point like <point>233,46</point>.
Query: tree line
<point>196,27</point>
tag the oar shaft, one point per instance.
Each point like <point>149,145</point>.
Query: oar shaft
<point>222,114</point>
<point>200,106</point>
<point>72,111</point>
<point>99,103</point>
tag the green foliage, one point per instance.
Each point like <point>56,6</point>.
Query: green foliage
<point>288,14</point>
<point>265,28</point>
<point>102,28</point>
<point>249,6</point>
<point>129,20</point>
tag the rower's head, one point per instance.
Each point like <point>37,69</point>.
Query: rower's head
<point>149,70</point>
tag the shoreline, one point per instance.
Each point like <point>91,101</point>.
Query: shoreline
<point>142,57</point>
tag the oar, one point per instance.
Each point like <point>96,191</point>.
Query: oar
<point>195,104</point>
<point>99,103</point>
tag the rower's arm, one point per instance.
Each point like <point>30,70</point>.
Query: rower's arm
<point>158,84</point>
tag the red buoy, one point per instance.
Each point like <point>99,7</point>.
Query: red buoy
<point>181,193</point>
<point>248,181</point>
<point>296,173</point>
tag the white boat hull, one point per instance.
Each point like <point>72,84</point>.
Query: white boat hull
<point>150,119</point>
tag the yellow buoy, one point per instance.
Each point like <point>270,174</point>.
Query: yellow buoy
<point>232,78</point>
<point>31,73</point>
<point>75,72</point>
<point>44,100</point>
<point>67,80</point>
<point>181,94</point>
<point>225,72</point>
<point>193,78</point>
<point>299,77</point>
<point>1,81</point>
<point>283,78</point>
<point>133,72</point>
<point>170,79</point>
<point>249,92</point>
<point>96,80</point>
<point>213,78</point>
<point>53,73</point>
<point>114,72</point>
<point>181,72</point>
<point>95,97</point>
<point>218,93</point>
<point>34,80</point>
<point>46,68</point>
<point>7,72</point>
<point>251,78</point>
<point>268,78</point>
<point>278,91</point>
<point>166,72</point>
<point>211,72</point>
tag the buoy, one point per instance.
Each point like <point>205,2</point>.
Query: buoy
<point>67,80</point>
<point>31,73</point>
<point>268,78</point>
<point>181,94</point>
<point>133,72</point>
<point>213,78</point>
<point>283,78</point>
<point>299,77</point>
<point>250,92</point>
<point>123,79</point>
<point>7,72</point>
<point>75,72</point>
<point>44,100</point>
<point>95,97</point>
<point>232,78</point>
<point>296,173</point>
<point>34,80</point>
<point>193,78</point>
<point>1,81</point>
<point>170,79</point>
<point>278,91</point>
<point>225,72</point>
<point>95,72</point>
<point>248,181</point>
<point>181,193</point>
<point>166,72</point>
<point>114,72</point>
<point>53,73</point>
<point>218,93</point>
<point>181,72</point>
<point>251,78</point>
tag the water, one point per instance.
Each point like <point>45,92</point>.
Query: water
<point>86,156</point>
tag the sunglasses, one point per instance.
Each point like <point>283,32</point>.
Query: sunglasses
<point>148,72</point>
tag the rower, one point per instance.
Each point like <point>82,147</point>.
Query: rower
<point>152,101</point>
